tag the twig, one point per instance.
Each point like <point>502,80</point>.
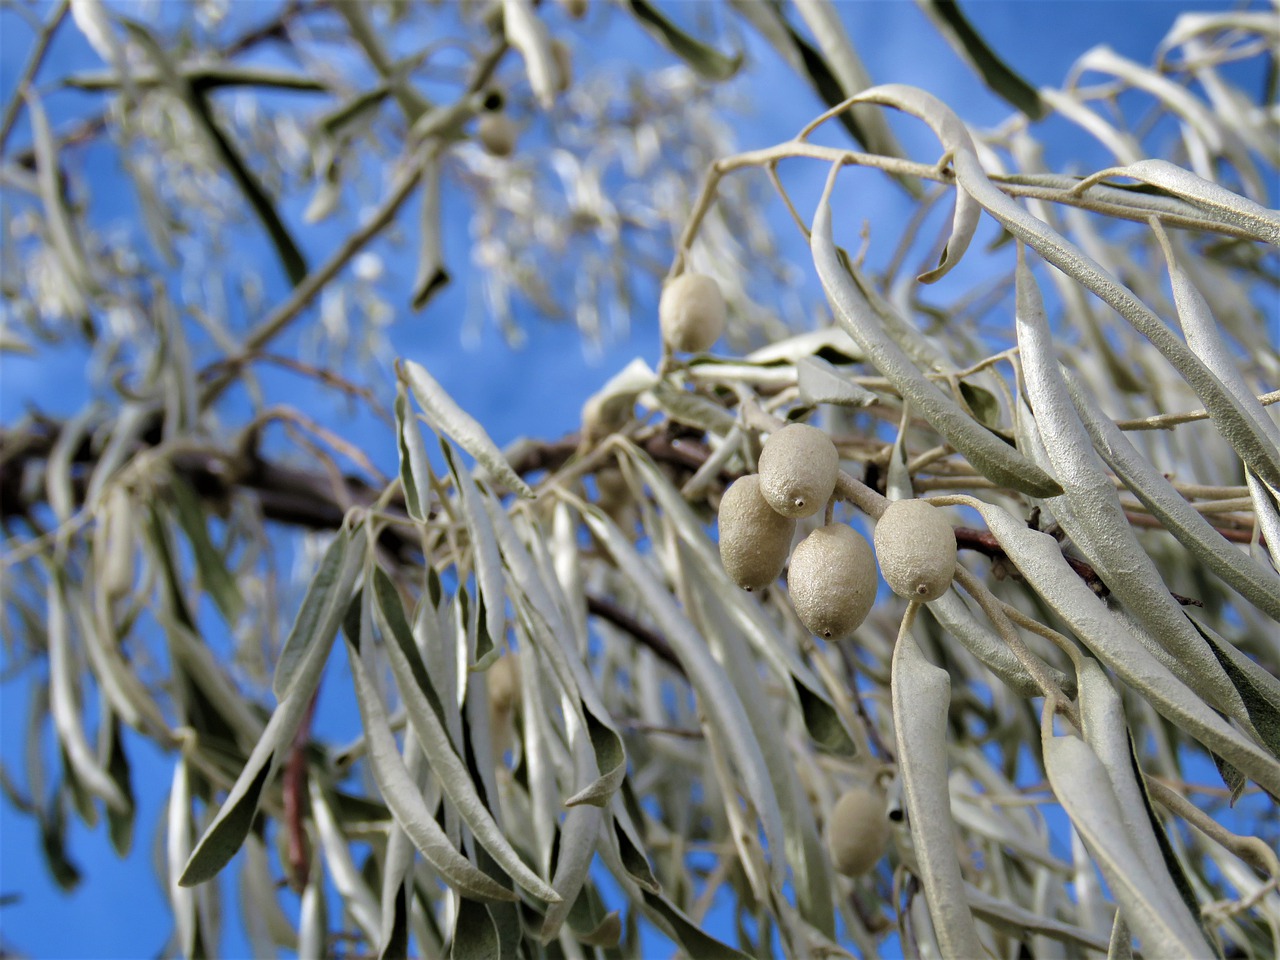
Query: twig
<point>29,72</point>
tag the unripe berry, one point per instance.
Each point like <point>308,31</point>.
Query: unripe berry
<point>858,831</point>
<point>916,546</point>
<point>497,134</point>
<point>754,540</point>
<point>798,468</point>
<point>832,580</point>
<point>691,313</point>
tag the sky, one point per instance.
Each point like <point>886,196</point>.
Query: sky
<point>120,910</point>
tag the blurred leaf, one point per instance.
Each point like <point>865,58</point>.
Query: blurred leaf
<point>475,936</point>
<point>323,607</point>
<point>432,275</point>
<point>446,416</point>
<point>705,59</point>
<point>822,382</point>
<point>526,33</point>
<point>216,579</point>
<point>995,73</point>
<point>687,933</point>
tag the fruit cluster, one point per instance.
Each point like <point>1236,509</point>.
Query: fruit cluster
<point>832,579</point>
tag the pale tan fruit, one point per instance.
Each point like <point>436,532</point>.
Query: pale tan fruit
<point>576,9</point>
<point>832,579</point>
<point>503,680</point>
<point>798,469</point>
<point>916,546</point>
<point>563,60</point>
<point>754,540</point>
<point>691,313</point>
<point>497,134</point>
<point>858,831</point>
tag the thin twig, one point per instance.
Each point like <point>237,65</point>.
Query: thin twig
<point>29,72</point>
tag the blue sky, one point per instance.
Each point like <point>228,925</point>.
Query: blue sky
<point>120,909</point>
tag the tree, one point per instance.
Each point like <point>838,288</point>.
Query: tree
<point>576,731</point>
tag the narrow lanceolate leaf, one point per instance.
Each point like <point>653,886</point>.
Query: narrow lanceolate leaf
<point>178,847</point>
<point>1258,584</point>
<point>715,694</point>
<point>486,561</point>
<point>579,832</point>
<point>705,59</point>
<point>449,418</point>
<point>64,234</point>
<point>1080,782</point>
<point>227,832</point>
<point>211,565</point>
<point>426,717</point>
<point>1090,511</point>
<point>432,275</point>
<point>415,472</point>
<point>404,798</point>
<point>527,34</point>
<point>323,607</point>
<point>822,382</point>
<point>1229,415</point>
<point>1221,202</point>
<point>968,43</point>
<point>225,152</point>
<point>1107,734</point>
<point>688,934</point>
<point>64,705</point>
<point>921,695</point>
<point>1039,559</point>
<point>989,454</point>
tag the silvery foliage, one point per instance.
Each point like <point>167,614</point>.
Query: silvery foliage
<point>561,694</point>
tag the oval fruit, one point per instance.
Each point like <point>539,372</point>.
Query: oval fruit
<point>916,546</point>
<point>858,831</point>
<point>497,134</point>
<point>833,580</point>
<point>754,540</point>
<point>691,313</point>
<point>798,469</point>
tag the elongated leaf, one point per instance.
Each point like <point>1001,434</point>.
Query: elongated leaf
<point>921,694</point>
<point>446,416</point>
<point>426,717</point>
<point>1080,782</point>
<point>322,609</point>
<point>527,34</point>
<point>487,562</point>
<point>64,705</point>
<point>1228,415</point>
<point>1039,558</point>
<point>1258,584</point>
<point>432,275</point>
<point>705,59</point>
<point>1090,511</point>
<point>687,933</point>
<point>227,832</point>
<point>58,216</point>
<point>996,74</point>
<point>348,880</point>
<point>577,846</point>
<point>415,472</point>
<point>216,579</point>
<point>1018,921</point>
<point>990,455</point>
<point>404,797</point>
<point>822,382</point>
<point>178,835</point>
<point>715,695</point>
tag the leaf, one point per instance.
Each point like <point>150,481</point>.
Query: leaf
<point>987,453</point>
<point>323,607</point>
<point>404,797</point>
<point>1080,782</point>
<point>822,382</point>
<point>983,403</point>
<point>427,715</point>
<point>1259,584</point>
<point>921,694</point>
<point>415,471</point>
<point>996,74</point>
<point>715,695</point>
<point>687,933</point>
<point>705,59</point>
<point>216,579</point>
<point>432,275</point>
<point>693,410</point>
<point>526,33</point>
<point>1264,710</point>
<point>295,265</point>
<point>119,822</point>
<point>1039,559</point>
<point>1090,511</point>
<point>486,560</point>
<point>446,416</point>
